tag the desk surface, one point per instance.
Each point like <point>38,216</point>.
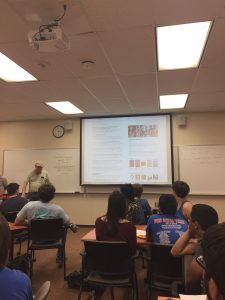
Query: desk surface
<point>14,227</point>
<point>92,236</point>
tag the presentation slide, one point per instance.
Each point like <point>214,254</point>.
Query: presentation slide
<point>131,149</point>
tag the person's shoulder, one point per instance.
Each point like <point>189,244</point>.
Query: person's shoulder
<point>22,199</point>
<point>144,200</point>
<point>32,204</point>
<point>179,219</point>
<point>186,202</point>
<point>127,223</point>
<point>54,206</point>
<point>101,219</point>
<point>17,274</point>
<point>31,173</point>
<point>156,216</point>
<point>3,204</point>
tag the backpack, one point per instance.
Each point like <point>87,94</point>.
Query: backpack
<point>21,262</point>
<point>74,279</point>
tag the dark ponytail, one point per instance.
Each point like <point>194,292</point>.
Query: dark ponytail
<point>116,210</point>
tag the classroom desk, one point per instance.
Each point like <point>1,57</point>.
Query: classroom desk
<point>92,236</point>
<point>14,230</point>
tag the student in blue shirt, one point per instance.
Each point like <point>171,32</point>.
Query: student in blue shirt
<point>165,227</point>
<point>14,284</point>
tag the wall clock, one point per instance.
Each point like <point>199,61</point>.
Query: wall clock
<point>58,131</point>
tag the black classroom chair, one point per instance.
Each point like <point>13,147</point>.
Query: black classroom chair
<point>46,234</point>
<point>165,272</point>
<point>108,264</point>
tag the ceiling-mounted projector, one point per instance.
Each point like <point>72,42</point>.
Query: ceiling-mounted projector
<point>49,39</point>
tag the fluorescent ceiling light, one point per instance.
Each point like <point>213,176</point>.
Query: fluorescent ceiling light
<point>65,107</point>
<point>11,72</point>
<point>181,46</point>
<point>173,101</point>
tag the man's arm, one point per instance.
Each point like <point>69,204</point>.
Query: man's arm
<point>17,221</point>
<point>149,236</point>
<point>47,179</point>
<point>187,207</point>
<point>21,218</point>
<point>24,189</point>
<point>4,182</point>
<point>184,245</point>
<point>194,277</point>
<point>149,232</point>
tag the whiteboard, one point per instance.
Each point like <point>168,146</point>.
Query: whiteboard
<point>203,168</point>
<point>62,165</point>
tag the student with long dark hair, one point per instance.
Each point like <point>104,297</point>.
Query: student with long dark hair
<point>114,226</point>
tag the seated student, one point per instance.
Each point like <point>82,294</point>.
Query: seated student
<point>43,208</point>
<point>180,192</point>
<point>14,284</point>
<point>114,226</point>
<point>202,217</point>
<point>165,227</point>
<point>213,245</point>
<point>135,212</point>
<point>14,202</point>
<point>138,190</point>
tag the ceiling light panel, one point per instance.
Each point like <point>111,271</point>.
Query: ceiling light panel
<point>11,72</point>
<point>65,107</point>
<point>173,101</point>
<point>181,46</point>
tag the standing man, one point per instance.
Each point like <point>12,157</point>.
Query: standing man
<point>35,179</point>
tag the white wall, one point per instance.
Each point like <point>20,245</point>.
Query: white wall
<point>202,128</point>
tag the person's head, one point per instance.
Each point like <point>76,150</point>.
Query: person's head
<point>138,190</point>
<point>5,240</point>
<point>12,188</point>
<point>117,208</point>
<point>46,192</point>
<point>213,245</point>
<point>202,217</point>
<point>168,204</point>
<point>128,191</point>
<point>180,189</point>
<point>38,167</point>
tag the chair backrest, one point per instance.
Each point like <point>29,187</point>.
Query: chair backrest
<point>107,258</point>
<point>46,230</point>
<point>11,216</point>
<point>43,291</point>
<point>163,265</point>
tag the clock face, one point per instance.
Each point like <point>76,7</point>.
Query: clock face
<point>58,131</point>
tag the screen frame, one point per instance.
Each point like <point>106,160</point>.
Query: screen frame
<point>127,116</point>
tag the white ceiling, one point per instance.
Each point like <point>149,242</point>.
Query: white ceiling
<point>119,36</point>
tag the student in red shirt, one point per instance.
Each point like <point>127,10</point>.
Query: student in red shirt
<point>114,226</point>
